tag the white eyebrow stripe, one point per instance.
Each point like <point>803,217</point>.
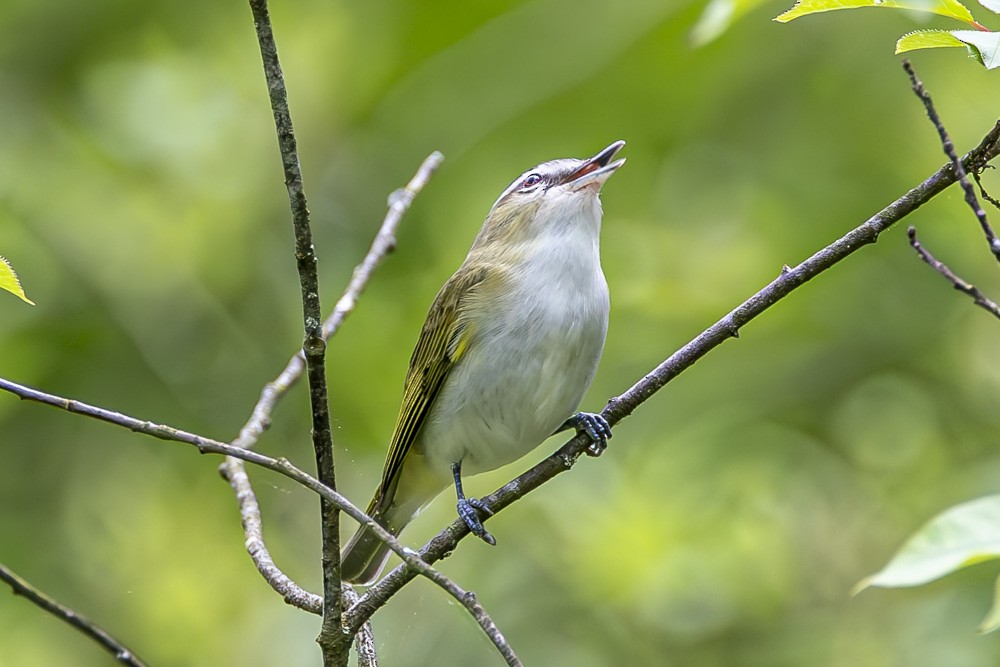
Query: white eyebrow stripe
<point>513,185</point>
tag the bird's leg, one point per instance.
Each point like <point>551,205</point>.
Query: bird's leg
<point>467,508</point>
<point>594,425</point>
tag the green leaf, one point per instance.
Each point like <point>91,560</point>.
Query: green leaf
<point>950,8</point>
<point>992,620</point>
<point>9,281</point>
<point>958,537</point>
<point>984,45</point>
<point>717,16</point>
<point>927,39</point>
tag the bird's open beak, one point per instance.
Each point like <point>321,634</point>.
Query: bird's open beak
<point>597,169</point>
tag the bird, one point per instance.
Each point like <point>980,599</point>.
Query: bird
<point>510,345</point>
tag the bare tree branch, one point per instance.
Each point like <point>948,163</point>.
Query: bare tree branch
<point>982,191</point>
<point>233,470</point>
<point>235,473</point>
<point>210,446</point>
<point>330,639</point>
<point>949,150</point>
<point>364,640</point>
<point>728,327</point>
<point>286,468</point>
<point>957,282</point>
<point>384,243</point>
<point>121,653</point>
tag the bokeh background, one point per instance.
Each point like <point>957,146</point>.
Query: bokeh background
<point>141,200</point>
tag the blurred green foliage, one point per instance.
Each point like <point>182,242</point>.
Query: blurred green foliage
<point>141,200</point>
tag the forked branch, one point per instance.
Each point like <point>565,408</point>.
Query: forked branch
<point>956,281</point>
<point>233,469</point>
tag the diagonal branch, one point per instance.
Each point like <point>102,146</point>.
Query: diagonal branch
<point>286,468</point>
<point>233,469</point>
<point>384,243</point>
<point>956,281</point>
<point>728,327</point>
<point>121,653</point>
<point>314,345</point>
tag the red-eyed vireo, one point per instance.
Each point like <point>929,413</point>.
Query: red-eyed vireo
<point>510,345</point>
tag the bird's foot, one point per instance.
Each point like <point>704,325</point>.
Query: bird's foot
<point>468,509</point>
<point>595,426</point>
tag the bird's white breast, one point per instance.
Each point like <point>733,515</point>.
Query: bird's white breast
<point>534,354</point>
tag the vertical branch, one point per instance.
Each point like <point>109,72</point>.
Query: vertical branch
<point>314,345</point>
<point>367,656</point>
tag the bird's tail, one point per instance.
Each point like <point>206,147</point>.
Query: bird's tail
<point>416,485</point>
<point>365,554</point>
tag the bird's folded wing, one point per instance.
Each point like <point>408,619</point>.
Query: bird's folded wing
<point>443,340</point>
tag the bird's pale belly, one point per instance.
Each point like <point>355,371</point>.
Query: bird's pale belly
<point>514,389</point>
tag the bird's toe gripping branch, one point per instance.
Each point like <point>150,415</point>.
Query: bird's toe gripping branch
<point>595,426</point>
<point>469,509</point>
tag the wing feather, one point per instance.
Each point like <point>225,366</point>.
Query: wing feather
<point>443,340</point>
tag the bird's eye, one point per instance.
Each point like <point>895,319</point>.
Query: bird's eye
<point>531,181</point>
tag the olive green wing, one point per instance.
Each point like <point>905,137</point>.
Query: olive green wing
<point>442,342</point>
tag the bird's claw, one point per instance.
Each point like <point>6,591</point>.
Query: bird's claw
<point>597,429</point>
<point>468,509</point>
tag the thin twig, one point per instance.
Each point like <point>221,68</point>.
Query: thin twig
<point>384,243</point>
<point>728,327</point>
<point>957,282</point>
<point>286,468</point>
<point>949,149</point>
<point>330,638</point>
<point>235,473</point>
<point>976,174</point>
<point>233,470</point>
<point>364,640</point>
<point>121,653</point>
